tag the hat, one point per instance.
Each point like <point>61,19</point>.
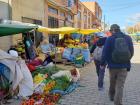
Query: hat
<point>13,53</point>
<point>114,27</point>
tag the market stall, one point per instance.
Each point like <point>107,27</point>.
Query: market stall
<point>34,82</point>
<point>13,70</point>
<point>71,48</point>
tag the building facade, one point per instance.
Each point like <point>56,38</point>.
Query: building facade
<point>97,12</point>
<point>85,17</point>
<point>48,13</point>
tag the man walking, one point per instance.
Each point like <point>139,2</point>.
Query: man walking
<point>117,53</point>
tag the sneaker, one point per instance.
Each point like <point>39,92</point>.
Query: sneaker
<point>111,97</point>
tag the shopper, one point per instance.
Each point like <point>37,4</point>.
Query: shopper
<point>117,53</point>
<point>97,55</point>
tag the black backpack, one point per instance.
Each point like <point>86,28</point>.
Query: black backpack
<point>121,53</point>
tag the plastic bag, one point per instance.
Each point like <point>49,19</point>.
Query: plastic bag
<point>62,73</point>
<point>86,54</point>
<point>4,76</point>
<point>67,52</point>
<point>26,85</point>
<point>76,51</point>
<point>4,79</point>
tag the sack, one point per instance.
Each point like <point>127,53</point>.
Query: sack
<point>98,53</point>
<point>121,52</point>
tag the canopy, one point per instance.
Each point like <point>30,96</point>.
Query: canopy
<point>133,34</point>
<point>10,28</point>
<point>62,30</point>
<point>88,31</point>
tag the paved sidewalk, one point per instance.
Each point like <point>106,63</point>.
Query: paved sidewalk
<point>89,94</point>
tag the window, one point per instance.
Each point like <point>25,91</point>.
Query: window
<point>53,38</point>
<point>85,11</point>
<point>52,10</point>
<point>69,17</point>
<point>69,24</point>
<point>85,18</point>
<point>79,15</point>
<point>35,36</point>
<point>79,6</point>
<point>62,14</point>
<point>61,23</point>
<point>52,22</point>
<point>89,19</point>
<point>71,3</point>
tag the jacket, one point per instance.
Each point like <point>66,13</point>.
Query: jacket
<point>108,49</point>
<point>100,42</point>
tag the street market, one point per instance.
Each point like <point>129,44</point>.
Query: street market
<point>48,83</point>
<point>69,52</point>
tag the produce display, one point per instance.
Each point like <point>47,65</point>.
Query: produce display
<point>44,85</point>
<point>78,45</point>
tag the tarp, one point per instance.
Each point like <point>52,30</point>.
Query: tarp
<point>10,29</point>
<point>88,31</point>
<point>61,30</point>
<point>67,30</point>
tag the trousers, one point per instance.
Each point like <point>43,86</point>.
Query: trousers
<point>117,80</point>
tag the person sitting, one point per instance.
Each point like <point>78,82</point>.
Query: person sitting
<point>47,60</point>
<point>64,42</point>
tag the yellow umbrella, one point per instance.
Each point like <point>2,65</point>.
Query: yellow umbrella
<point>88,31</point>
<point>61,30</point>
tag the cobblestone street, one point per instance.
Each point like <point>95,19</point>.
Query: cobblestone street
<point>88,93</point>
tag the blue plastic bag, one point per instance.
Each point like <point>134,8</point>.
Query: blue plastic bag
<point>86,54</point>
<point>67,53</point>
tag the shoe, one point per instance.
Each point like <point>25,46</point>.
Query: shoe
<point>111,99</point>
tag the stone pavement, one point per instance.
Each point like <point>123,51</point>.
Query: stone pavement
<point>88,94</point>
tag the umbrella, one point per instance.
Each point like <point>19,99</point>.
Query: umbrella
<point>15,28</point>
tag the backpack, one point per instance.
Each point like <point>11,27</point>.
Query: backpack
<point>98,53</point>
<point>121,52</point>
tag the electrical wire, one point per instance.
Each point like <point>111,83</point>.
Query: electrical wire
<point>125,7</point>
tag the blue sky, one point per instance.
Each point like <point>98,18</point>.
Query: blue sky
<point>122,12</point>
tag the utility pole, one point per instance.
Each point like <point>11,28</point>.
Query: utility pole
<point>104,23</point>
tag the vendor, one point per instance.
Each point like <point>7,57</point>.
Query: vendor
<point>66,40</point>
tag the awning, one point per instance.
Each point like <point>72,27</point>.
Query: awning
<point>61,30</point>
<point>88,31</point>
<point>67,30</point>
<point>10,29</point>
